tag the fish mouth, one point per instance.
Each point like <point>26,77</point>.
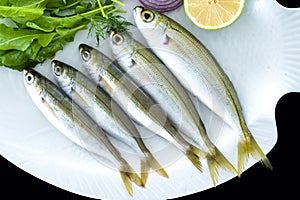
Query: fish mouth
<point>83,47</point>
<point>28,71</point>
<point>25,71</point>
<point>55,63</point>
<point>111,33</point>
<point>137,10</point>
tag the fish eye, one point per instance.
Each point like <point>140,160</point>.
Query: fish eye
<point>29,77</point>
<point>57,70</point>
<point>147,16</point>
<point>117,39</point>
<point>85,54</point>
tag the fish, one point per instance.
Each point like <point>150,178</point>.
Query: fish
<point>199,71</point>
<point>74,123</point>
<point>107,113</point>
<point>147,70</point>
<point>133,99</point>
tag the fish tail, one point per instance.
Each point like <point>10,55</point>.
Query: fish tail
<point>128,176</point>
<point>194,154</point>
<point>154,164</point>
<point>150,162</point>
<point>248,146</point>
<point>216,160</point>
<point>127,182</point>
<point>144,171</point>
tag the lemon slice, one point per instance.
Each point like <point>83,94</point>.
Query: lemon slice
<point>213,14</point>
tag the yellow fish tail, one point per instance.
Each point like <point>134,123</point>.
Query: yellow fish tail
<point>145,168</point>
<point>128,176</point>
<point>216,160</point>
<point>194,154</point>
<point>154,164</point>
<point>248,146</point>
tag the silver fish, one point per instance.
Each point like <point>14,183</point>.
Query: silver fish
<point>134,100</point>
<point>109,116</point>
<point>147,70</point>
<point>76,125</point>
<point>199,71</point>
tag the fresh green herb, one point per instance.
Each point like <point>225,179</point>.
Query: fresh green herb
<point>40,28</point>
<point>23,38</point>
<point>100,25</point>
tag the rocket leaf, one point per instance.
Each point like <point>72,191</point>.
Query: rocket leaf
<point>29,3</point>
<point>37,29</point>
<point>18,12</point>
<point>11,38</point>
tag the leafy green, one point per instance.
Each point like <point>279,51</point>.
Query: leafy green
<point>48,24</point>
<point>35,53</point>
<point>58,43</point>
<point>101,25</point>
<point>43,27</point>
<point>29,3</point>
<point>54,4</point>
<point>20,59</point>
<point>4,3</point>
<point>11,38</point>
<point>18,12</point>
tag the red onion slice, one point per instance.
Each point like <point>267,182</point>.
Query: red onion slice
<point>162,5</point>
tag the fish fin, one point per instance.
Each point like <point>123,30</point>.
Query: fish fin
<point>127,182</point>
<point>194,154</point>
<point>154,164</point>
<point>133,176</point>
<point>144,171</point>
<point>151,162</point>
<point>248,146</point>
<point>215,160</point>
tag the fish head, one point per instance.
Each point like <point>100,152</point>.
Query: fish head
<point>88,55</point>
<point>93,60</point>
<point>33,82</point>
<point>122,46</point>
<point>63,74</point>
<point>118,42</point>
<point>151,24</point>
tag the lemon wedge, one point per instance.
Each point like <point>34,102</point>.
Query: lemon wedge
<point>213,14</point>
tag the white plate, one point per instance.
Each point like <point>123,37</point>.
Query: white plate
<point>259,52</point>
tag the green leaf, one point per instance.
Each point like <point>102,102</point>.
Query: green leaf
<point>21,39</point>
<point>67,31</point>
<point>55,46</point>
<point>45,23</point>
<point>4,3</point>
<point>24,12</point>
<point>80,9</point>
<point>35,53</point>
<point>54,4</point>
<point>101,25</point>
<point>44,27</point>
<point>29,3</point>
<point>48,24</point>
<point>20,60</point>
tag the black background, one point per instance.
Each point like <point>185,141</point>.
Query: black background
<point>257,182</point>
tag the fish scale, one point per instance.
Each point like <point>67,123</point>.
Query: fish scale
<point>132,56</point>
<point>130,96</point>
<point>108,115</point>
<point>76,124</point>
<point>135,101</point>
<point>210,83</point>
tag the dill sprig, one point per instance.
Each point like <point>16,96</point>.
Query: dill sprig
<point>42,27</point>
<point>107,19</point>
<point>101,25</point>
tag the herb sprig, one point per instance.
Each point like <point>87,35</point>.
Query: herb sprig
<point>34,30</point>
